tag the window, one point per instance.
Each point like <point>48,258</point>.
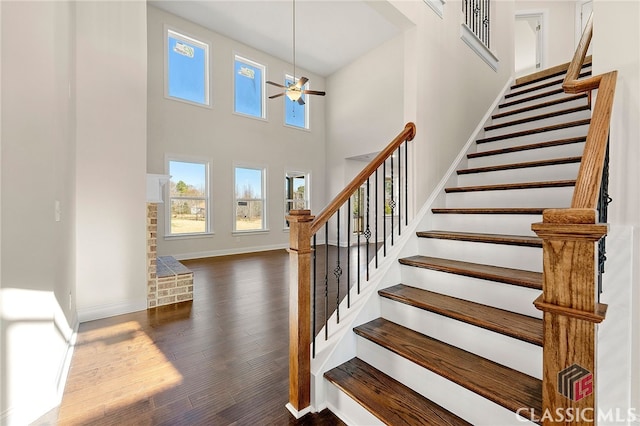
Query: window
<point>249,87</point>
<point>295,114</point>
<point>187,69</point>
<point>250,200</point>
<point>188,205</point>
<point>296,192</point>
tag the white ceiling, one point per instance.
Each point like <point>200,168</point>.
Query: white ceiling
<point>329,34</point>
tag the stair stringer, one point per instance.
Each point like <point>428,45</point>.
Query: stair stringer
<point>341,344</point>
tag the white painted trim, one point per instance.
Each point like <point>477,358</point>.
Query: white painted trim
<point>297,414</point>
<point>544,37</point>
<point>63,372</point>
<point>437,6</point>
<point>111,310</point>
<point>477,46</point>
<point>227,252</point>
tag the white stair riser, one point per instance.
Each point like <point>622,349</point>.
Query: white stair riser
<point>550,135</point>
<point>347,408</point>
<point>508,351</point>
<point>527,103</point>
<point>506,256</point>
<point>533,197</point>
<point>500,295</point>
<point>550,121</point>
<point>537,111</point>
<point>515,224</point>
<point>559,151</point>
<point>455,398</point>
<point>526,174</point>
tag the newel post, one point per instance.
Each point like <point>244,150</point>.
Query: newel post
<point>299,311</point>
<point>571,313</point>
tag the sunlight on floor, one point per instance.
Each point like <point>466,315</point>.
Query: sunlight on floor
<point>135,371</point>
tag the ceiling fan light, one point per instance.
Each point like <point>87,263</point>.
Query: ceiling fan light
<point>294,95</point>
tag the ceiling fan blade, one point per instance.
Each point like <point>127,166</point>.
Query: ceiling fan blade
<point>300,101</point>
<point>277,95</point>
<point>313,92</point>
<point>301,82</point>
<point>276,84</point>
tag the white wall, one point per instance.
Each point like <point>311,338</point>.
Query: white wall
<point>453,85</point>
<point>559,28</point>
<point>38,143</point>
<point>111,93</point>
<point>616,45</point>
<point>225,138</point>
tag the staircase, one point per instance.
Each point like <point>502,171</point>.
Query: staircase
<point>459,340</point>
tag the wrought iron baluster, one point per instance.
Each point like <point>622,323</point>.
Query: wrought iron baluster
<point>375,216</point>
<point>337,272</point>
<point>392,203</point>
<point>384,210</point>
<point>399,190</point>
<point>406,183</point>
<point>603,204</point>
<point>367,233</point>
<point>359,192</point>
<point>326,281</point>
<point>313,318</point>
<point>348,254</point>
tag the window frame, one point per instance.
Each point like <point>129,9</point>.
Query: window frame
<point>287,102</point>
<point>307,198</point>
<point>263,88</point>
<point>263,199</point>
<point>208,217</point>
<point>187,38</point>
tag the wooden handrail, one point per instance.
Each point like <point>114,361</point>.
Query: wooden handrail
<point>568,301</point>
<point>407,134</point>
<point>587,188</point>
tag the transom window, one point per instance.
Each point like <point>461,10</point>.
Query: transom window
<point>250,199</point>
<point>187,68</point>
<point>249,87</point>
<point>296,115</point>
<point>188,206</point>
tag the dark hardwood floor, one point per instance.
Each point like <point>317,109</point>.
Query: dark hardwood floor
<point>219,360</point>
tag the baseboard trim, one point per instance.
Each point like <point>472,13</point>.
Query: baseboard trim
<point>111,310</point>
<point>297,414</point>
<point>227,252</point>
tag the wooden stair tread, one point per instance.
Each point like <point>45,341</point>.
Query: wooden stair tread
<point>549,73</point>
<point>511,186</point>
<point>537,117</point>
<point>524,165</point>
<point>532,98</point>
<point>547,144</point>
<point>505,386</point>
<point>518,326</point>
<point>476,270</point>
<point>490,210</point>
<point>521,133</point>
<point>540,105</point>
<point>542,86</point>
<point>389,400</point>
<point>515,240</point>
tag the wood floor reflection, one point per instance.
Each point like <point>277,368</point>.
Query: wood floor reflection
<point>219,360</point>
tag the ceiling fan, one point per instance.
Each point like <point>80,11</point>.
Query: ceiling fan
<point>294,90</point>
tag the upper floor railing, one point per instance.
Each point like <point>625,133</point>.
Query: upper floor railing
<point>331,254</point>
<point>477,17</point>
